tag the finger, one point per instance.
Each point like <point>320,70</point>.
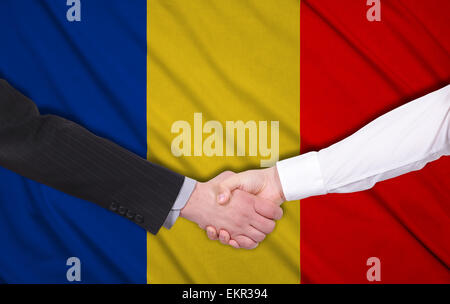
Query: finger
<point>268,209</point>
<point>226,187</point>
<point>212,233</point>
<point>263,224</point>
<point>245,242</point>
<point>234,244</point>
<point>224,237</point>
<point>256,235</point>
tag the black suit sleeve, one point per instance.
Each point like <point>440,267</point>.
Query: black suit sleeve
<point>63,155</point>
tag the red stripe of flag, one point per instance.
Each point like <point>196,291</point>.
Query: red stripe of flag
<point>352,71</point>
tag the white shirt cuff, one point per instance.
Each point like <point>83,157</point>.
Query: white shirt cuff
<point>301,176</point>
<point>182,198</point>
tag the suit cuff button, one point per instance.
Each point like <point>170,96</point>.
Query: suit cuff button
<point>139,218</point>
<point>122,210</point>
<point>113,207</point>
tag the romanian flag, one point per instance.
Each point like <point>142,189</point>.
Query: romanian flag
<point>301,74</point>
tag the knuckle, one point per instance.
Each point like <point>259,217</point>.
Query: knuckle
<point>244,213</point>
<point>274,211</point>
<point>239,224</point>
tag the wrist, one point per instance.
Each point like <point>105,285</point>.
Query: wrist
<point>275,179</point>
<point>192,210</point>
<point>186,211</point>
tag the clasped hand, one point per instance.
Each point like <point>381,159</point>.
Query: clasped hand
<point>238,209</point>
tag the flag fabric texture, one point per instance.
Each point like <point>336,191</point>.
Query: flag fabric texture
<point>92,72</point>
<point>130,70</point>
<point>352,71</point>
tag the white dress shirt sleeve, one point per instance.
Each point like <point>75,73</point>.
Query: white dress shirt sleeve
<point>182,198</point>
<point>400,141</point>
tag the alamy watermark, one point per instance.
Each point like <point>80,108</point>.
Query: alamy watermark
<point>374,12</point>
<point>74,272</point>
<point>373,274</point>
<point>74,11</point>
<point>235,138</point>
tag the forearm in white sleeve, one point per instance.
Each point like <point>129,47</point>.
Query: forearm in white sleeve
<point>400,141</point>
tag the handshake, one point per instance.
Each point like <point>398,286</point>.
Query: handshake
<point>238,209</point>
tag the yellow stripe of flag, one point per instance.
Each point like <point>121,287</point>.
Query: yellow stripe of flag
<point>222,61</point>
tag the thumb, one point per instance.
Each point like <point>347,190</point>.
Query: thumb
<point>226,187</point>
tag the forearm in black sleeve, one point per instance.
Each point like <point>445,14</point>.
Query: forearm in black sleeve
<point>63,155</point>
